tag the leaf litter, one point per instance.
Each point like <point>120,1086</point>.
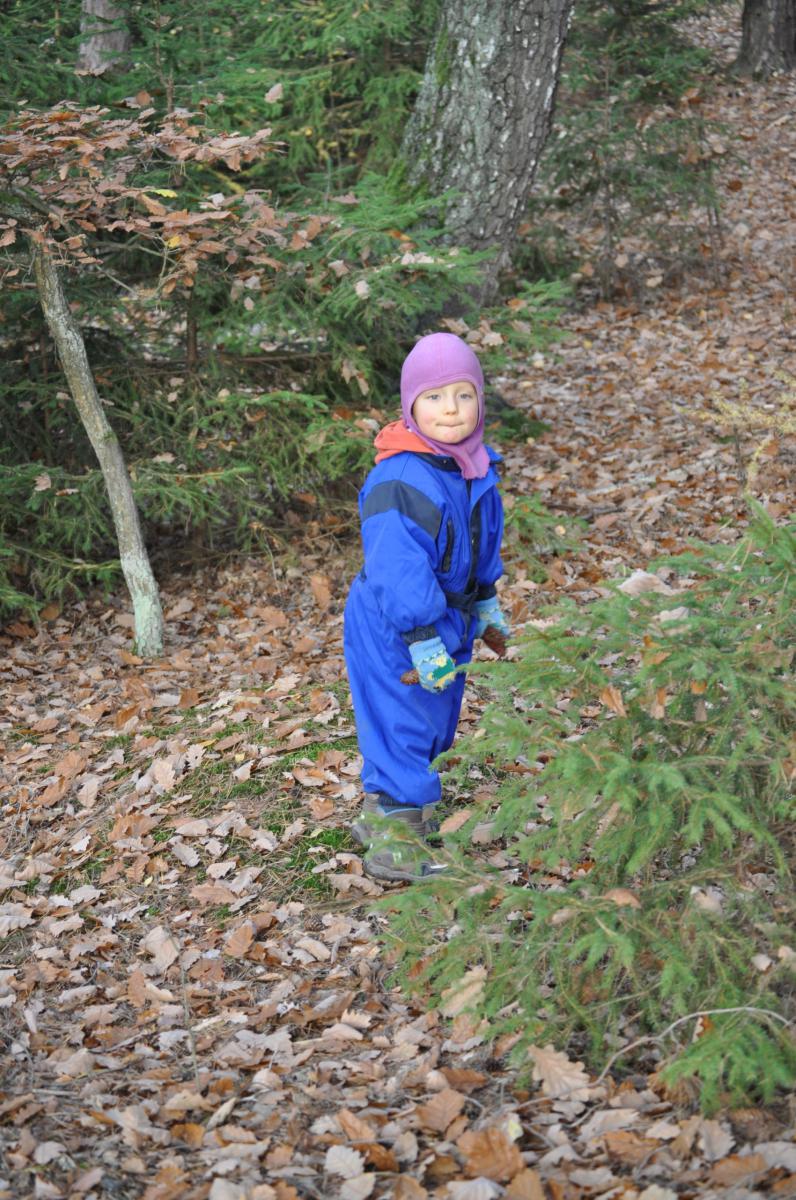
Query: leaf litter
<point>194,1001</point>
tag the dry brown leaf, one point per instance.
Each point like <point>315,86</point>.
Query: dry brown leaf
<point>456,820</point>
<point>321,807</point>
<point>438,1113</point>
<point>627,1146</point>
<point>136,988</point>
<point>184,854</point>
<point>526,1186</point>
<point>609,1118</point>
<point>463,1079</point>
<point>14,916</point>
<point>490,1153</point>
<point>623,898</point>
<point>89,790</point>
<point>465,993</point>
<point>408,1188</point>
<point>315,948</point>
<point>189,1132</point>
<point>355,1129</point>
<point>239,940</point>
<point>716,1142</point>
<point>343,1033</point>
<point>162,946</point>
<point>559,1076</point>
<point>321,590</point>
<point>612,698</point>
<point>378,1156</point>
<point>738,1167</point>
<point>163,773</point>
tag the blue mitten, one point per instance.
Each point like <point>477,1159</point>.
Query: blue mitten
<point>489,612</point>
<point>435,667</point>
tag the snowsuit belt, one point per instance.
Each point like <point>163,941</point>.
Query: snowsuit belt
<point>465,601</point>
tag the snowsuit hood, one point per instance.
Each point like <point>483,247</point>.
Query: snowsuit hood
<point>438,359</point>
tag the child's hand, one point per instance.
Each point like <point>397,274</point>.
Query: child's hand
<point>435,667</point>
<point>489,612</point>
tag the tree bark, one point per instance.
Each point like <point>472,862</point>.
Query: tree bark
<point>483,114</point>
<point>768,37</point>
<point>135,564</point>
<point>105,42</point>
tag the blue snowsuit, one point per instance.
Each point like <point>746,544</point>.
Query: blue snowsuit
<point>432,550</point>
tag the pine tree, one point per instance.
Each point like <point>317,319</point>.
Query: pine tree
<point>643,752</point>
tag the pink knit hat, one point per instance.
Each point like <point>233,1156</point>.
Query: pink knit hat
<point>435,360</point>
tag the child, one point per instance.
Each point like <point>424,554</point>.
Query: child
<point>432,522</point>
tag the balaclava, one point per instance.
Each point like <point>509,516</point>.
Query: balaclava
<point>437,359</point>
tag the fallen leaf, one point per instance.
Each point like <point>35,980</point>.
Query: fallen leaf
<point>490,1153</point>
<point>162,946</point>
<point>557,1075</point>
<point>14,916</point>
<point>239,940</point>
<point>343,1161</point>
<point>321,590</point>
<point>438,1113</point>
<point>358,1188</point>
<point>474,1189</point>
<point>623,898</point>
<point>526,1186</point>
<point>45,1152</point>
<point>465,993</point>
<point>738,1167</point>
<point>716,1142</point>
<point>611,697</point>
<point>354,1127</point>
<point>455,820</point>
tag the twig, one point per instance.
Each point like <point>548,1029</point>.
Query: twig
<point>656,1038</point>
<point>189,1026</point>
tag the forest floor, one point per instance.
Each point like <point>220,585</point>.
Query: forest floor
<point>194,1002</point>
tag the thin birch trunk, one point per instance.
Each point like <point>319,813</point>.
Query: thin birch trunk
<point>71,348</point>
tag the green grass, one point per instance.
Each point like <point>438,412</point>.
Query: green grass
<point>299,878</point>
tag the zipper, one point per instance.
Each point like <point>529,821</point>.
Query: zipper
<point>445,565</point>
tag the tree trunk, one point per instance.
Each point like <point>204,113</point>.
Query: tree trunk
<point>483,114</point>
<point>105,37</point>
<point>768,37</point>
<point>132,551</point>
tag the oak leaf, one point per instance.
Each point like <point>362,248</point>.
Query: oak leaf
<point>162,946</point>
<point>465,993</point>
<point>526,1186</point>
<point>441,1110</point>
<point>238,940</point>
<point>557,1075</point>
<point>490,1153</point>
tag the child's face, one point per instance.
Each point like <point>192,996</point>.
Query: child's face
<point>448,413</point>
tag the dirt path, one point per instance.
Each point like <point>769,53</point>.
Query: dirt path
<point>193,1000</point>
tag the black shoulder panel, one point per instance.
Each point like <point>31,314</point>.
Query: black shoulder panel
<point>414,504</point>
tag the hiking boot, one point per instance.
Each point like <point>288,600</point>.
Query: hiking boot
<point>396,860</point>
